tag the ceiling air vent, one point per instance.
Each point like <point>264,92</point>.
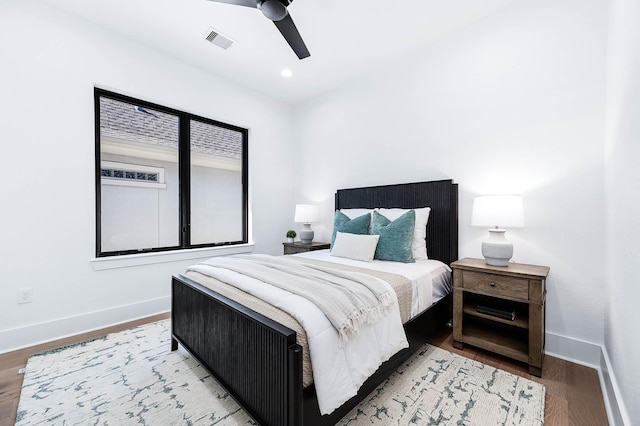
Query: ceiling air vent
<point>218,38</point>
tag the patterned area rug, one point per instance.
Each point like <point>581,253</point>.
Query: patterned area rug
<point>132,377</point>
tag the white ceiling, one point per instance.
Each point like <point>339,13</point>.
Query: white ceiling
<point>345,37</point>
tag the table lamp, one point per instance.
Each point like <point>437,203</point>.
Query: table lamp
<point>306,214</point>
<point>497,211</point>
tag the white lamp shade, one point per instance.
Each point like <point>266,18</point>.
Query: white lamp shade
<point>498,210</point>
<point>307,213</point>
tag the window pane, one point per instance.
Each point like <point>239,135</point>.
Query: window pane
<point>216,184</point>
<point>139,197</point>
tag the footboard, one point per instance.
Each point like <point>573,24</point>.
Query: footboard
<point>255,358</point>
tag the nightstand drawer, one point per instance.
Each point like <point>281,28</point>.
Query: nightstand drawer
<point>298,247</point>
<point>499,285</point>
<point>294,250</point>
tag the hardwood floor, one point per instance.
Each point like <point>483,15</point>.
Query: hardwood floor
<point>573,394</point>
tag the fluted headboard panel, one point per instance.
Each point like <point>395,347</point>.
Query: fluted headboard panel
<point>441,196</point>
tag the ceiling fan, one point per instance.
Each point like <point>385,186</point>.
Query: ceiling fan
<point>276,11</point>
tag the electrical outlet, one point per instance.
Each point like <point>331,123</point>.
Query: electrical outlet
<point>25,295</point>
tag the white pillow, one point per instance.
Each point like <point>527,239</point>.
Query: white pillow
<point>355,246</point>
<point>419,244</point>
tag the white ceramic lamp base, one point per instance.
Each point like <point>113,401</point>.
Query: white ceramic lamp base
<point>306,234</point>
<point>497,251</point>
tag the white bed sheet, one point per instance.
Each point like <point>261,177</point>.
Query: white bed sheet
<point>430,279</point>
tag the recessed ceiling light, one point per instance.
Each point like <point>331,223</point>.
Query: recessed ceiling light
<point>286,72</point>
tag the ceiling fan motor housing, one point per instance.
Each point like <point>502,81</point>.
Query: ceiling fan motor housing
<point>273,9</point>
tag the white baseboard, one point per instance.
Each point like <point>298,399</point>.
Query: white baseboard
<point>574,350</point>
<point>34,334</point>
<point>616,409</point>
<point>595,356</point>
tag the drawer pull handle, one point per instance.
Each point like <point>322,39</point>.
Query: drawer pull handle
<point>492,284</point>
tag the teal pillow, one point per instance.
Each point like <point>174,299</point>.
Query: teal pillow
<point>395,237</point>
<point>357,225</point>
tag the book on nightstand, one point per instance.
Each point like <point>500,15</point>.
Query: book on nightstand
<point>500,313</point>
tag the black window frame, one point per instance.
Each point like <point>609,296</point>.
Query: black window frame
<point>184,175</point>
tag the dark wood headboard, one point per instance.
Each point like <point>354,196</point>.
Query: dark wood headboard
<point>441,196</point>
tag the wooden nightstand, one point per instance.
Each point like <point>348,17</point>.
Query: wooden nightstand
<point>298,247</point>
<point>516,289</point>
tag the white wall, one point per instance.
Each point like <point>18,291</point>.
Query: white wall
<point>622,312</point>
<point>50,64</point>
<point>514,103</point>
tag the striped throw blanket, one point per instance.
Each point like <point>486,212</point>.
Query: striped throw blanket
<point>348,299</point>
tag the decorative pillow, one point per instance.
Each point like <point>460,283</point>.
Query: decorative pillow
<point>353,213</point>
<point>354,246</point>
<point>418,245</point>
<point>342,223</point>
<point>395,237</point>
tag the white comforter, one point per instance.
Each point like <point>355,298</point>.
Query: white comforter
<point>338,370</point>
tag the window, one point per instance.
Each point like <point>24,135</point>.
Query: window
<point>114,173</point>
<point>166,179</point>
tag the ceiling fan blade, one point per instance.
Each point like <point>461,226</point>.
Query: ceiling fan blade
<point>291,34</point>
<point>248,3</point>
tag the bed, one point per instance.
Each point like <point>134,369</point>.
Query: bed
<point>258,360</point>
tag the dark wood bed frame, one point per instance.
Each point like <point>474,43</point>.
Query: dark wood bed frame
<point>258,360</point>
